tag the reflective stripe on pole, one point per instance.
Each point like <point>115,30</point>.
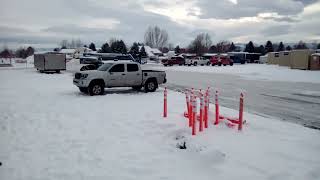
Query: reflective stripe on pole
<point>165,103</point>
<point>217,108</point>
<point>240,112</point>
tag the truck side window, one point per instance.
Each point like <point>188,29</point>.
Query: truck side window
<point>132,67</point>
<point>117,68</point>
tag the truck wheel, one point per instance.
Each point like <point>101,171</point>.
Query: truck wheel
<point>136,88</point>
<point>83,89</point>
<point>165,65</point>
<point>57,71</point>
<point>224,64</point>
<point>195,63</point>
<point>150,86</point>
<point>213,64</point>
<point>208,63</point>
<point>231,64</point>
<point>219,64</point>
<point>96,89</point>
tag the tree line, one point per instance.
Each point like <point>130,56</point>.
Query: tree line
<point>19,53</point>
<point>155,37</point>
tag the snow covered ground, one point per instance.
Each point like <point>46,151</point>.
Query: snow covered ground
<point>253,72</point>
<point>49,130</point>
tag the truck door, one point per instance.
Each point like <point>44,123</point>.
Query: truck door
<point>134,76</point>
<point>116,76</point>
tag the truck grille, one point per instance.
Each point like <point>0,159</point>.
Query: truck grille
<point>77,75</point>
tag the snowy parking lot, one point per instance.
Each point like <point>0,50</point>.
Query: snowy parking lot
<point>263,72</point>
<point>49,130</point>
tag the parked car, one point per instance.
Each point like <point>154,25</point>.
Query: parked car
<point>221,60</point>
<point>197,61</point>
<point>90,60</point>
<point>174,60</point>
<point>118,74</point>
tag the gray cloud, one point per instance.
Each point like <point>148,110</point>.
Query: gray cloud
<point>276,30</point>
<point>248,8</point>
<point>51,21</point>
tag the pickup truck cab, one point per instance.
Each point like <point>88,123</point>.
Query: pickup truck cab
<point>197,61</point>
<point>118,74</point>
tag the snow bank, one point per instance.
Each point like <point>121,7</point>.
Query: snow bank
<point>49,130</point>
<point>253,72</point>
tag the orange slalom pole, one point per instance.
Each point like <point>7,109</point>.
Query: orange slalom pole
<point>201,113</point>
<point>217,109</point>
<point>206,107</point>
<point>240,112</point>
<point>191,108</point>
<point>165,103</point>
<point>194,116</point>
<point>188,103</point>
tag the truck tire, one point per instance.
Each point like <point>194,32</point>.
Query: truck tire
<point>150,86</point>
<point>96,89</point>
<point>136,88</point>
<point>195,63</point>
<point>83,89</point>
<point>57,71</point>
<point>231,64</point>
<point>208,63</point>
<point>219,64</point>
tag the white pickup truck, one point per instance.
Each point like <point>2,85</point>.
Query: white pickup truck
<point>197,61</point>
<point>118,74</point>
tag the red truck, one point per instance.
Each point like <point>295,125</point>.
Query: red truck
<point>174,60</point>
<point>221,60</point>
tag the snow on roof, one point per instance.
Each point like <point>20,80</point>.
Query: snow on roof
<point>67,51</point>
<point>315,54</point>
<point>150,51</point>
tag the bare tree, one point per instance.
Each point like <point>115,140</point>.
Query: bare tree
<point>223,46</point>
<point>200,44</point>
<point>64,44</point>
<point>156,37</point>
<point>78,43</point>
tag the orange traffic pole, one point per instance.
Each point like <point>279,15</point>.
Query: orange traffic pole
<point>217,109</point>
<point>206,107</point>
<point>240,112</point>
<point>165,103</point>
<point>194,115</point>
<point>201,113</point>
<point>191,108</point>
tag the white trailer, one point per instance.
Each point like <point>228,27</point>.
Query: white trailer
<point>50,62</point>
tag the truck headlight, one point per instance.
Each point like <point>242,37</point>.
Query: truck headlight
<point>83,76</point>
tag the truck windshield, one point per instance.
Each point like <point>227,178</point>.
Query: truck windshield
<point>105,67</point>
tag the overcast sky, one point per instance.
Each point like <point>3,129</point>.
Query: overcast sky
<point>47,22</point>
